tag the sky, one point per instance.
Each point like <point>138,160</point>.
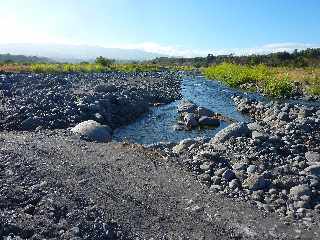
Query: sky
<point>173,27</point>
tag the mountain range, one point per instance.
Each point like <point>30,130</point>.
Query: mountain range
<point>75,53</point>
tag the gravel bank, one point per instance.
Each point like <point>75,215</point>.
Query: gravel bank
<point>272,162</point>
<point>55,101</point>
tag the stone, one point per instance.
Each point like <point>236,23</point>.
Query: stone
<point>298,191</point>
<point>190,120</point>
<point>312,157</point>
<point>235,183</point>
<point>209,121</point>
<point>255,182</point>
<point>93,131</point>
<point>258,135</point>
<point>187,107</point>
<point>313,170</point>
<point>30,123</point>
<point>228,175</point>
<point>233,130</point>
<point>252,169</point>
<point>201,111</point>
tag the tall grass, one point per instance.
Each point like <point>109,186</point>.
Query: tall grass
<point>261,76</point>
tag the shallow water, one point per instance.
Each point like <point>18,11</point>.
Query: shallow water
<point>158,124</point>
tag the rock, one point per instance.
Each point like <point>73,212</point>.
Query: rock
<point>312,157</point>
<point>228,175</point>
<point>254,126</point>
<point>283,116</point>
<point>209,121</point>
<point>299,191</point>
<point>239,166</point>
<point>201,111</point>
<point>255,182</point>
<point>93,131</point>
<point>183,145</point>
<point>30,123</point>
<point>233,130</point>
<point>258,135</point>
<point>187,107</point>
<point>190,120</point>
<point>313,170</point>
<point>252,169</point>
<point>235,183</point>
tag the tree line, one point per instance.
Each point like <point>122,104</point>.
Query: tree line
<point>303,58</point>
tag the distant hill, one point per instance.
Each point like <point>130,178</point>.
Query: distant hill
<point>6,58</point>
<point>75,53</point>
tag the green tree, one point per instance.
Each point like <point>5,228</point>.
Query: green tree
<point>104,61</point>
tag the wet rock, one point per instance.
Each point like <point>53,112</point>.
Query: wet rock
<point>93,131</point>
<point>209,121</point>
<point>190,120</point>
<point>187,107</point>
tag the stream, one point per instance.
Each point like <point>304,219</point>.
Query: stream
<point>157,125</point>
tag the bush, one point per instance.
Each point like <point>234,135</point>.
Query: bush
<point>236,75</point>
<point>104,61</point>
<point>278,87</point>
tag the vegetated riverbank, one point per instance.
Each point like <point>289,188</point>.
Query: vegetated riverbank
<point>34,101</point>
<point>274,82</point>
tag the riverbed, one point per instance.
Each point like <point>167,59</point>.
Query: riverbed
<point>157,125</point>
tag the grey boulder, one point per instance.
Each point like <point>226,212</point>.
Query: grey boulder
<point>209,121</point>
<point>93,131</point>
<point>233,130</point>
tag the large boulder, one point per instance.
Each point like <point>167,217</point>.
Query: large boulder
<point>209,121</point>
<point>93,131</point>
<point>233,130</point>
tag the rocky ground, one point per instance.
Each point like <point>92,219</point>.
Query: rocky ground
<point>52,101</point>
<point>251,181</point>
<point>272,162</point>
<point>56,186</point>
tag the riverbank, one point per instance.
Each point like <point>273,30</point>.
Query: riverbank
<point>52,101</point>
<point>278,82</point>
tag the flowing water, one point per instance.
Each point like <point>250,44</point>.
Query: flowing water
<point>158,124</point>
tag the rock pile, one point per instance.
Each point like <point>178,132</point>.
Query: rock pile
<point>53,101</point>
<point>193,116</point>
<point>274,161</point>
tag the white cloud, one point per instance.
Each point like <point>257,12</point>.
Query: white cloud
<point>172,50</point>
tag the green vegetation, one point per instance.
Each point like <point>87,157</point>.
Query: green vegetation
<point>259,76</point>
<point>304,58</point>
<point>104,61</point>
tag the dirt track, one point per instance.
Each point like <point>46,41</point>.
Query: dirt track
<point>56,186</point>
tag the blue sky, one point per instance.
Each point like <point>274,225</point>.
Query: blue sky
<point>177,27</point>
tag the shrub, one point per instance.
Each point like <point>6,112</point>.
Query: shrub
<point>278,87</point>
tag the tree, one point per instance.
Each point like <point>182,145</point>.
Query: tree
<point>104,61</point>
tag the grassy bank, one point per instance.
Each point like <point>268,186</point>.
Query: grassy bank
<point>88,68</point>
<point>275,82</point>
